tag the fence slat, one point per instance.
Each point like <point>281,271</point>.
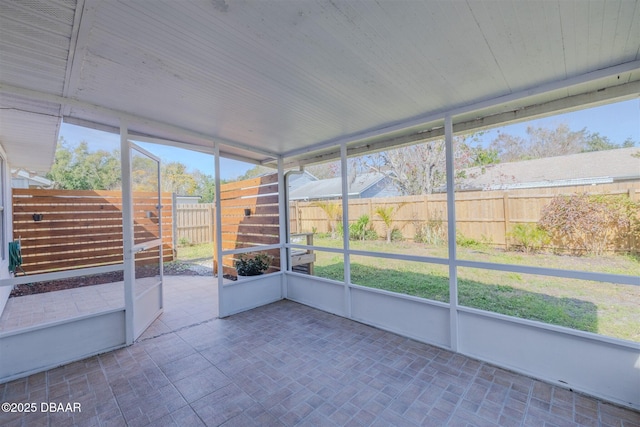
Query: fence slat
<point>479,214</point>
<point>82,228</point>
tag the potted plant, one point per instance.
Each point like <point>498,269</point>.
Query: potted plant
<point>254,265</point>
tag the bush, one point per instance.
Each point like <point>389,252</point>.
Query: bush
<point>589,224</point>
<point>362,229</point>
<point>432,232</point>
<point>184,241</point>
<point>396,235</point>
<point>530,237</point>
<point>371,234</point>
<point>252,265</point>
<point>469,242</point>
<point>358,229</point>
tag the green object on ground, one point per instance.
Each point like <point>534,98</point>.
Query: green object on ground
<point>15,257</point>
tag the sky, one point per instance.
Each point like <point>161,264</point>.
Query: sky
<point>617,121</point>
<point>99,140</point>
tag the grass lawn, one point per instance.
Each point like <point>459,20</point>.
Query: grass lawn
<point>195,252</point>
<point>607,309</point>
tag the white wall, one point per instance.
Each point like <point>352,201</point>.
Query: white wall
<point>250,292</point>
<point>316,292</point>
<point>27,351</point>
<point>421,320</point>
<point>580,361</point>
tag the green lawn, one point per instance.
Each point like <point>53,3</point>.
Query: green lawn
<point>607,309</point>
<point>195,252</point>
<point>603,308</point>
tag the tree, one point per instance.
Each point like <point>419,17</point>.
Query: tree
<point>175,179</point>
<point>325,170</point>
<point>416,169</point>
<point>544,142</point>
<point>334,213</point>
<point>256,171</point>
<point>540,142</point>
<point>144,174</point>
<point>75,168</point>
<point>206,186</point>
<point>597,142</point>
<point>387,215</point>
<point>421,168</point>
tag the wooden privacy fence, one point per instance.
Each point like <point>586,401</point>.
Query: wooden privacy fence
<point>250,217</point>
<point>194,223</point>
<point>84,228</point>
<point>481,215</point>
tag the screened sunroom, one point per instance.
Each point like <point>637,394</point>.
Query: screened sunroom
<point>395,88</point>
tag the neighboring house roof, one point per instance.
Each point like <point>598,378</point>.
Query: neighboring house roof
<point>595,167</point>
<point>297,180</point>
<point>331,188</point>
<point>21,178</point>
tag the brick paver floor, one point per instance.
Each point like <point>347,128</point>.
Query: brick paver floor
<point>286,364</point>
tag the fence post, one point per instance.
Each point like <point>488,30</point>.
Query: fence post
<point>294,217</point>
<point>212,218</point>
<point>174,225</point>
<point>425,200</point>
<point>505,210</point>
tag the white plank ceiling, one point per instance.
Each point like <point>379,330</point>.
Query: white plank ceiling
<point>289,77</point>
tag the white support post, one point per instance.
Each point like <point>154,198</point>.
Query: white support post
<point>451,229</point>
<point>127,233</point>
<point>345,227</point>
<point>283,208</point>
<point>218,237</point>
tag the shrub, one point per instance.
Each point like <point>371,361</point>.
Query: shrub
<point>184,241</point>
<point>371,234</point>
<point>396,235</point>
<point>530,237</point>
<point>469,242</point>
<point>252,265</point>
<point>589,224</point>
<point>358,229</point>
<point>362,229</point>
<point>432,233</point>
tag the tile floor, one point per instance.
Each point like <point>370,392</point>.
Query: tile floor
<point>286,364</point>
<point>186,307</point>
